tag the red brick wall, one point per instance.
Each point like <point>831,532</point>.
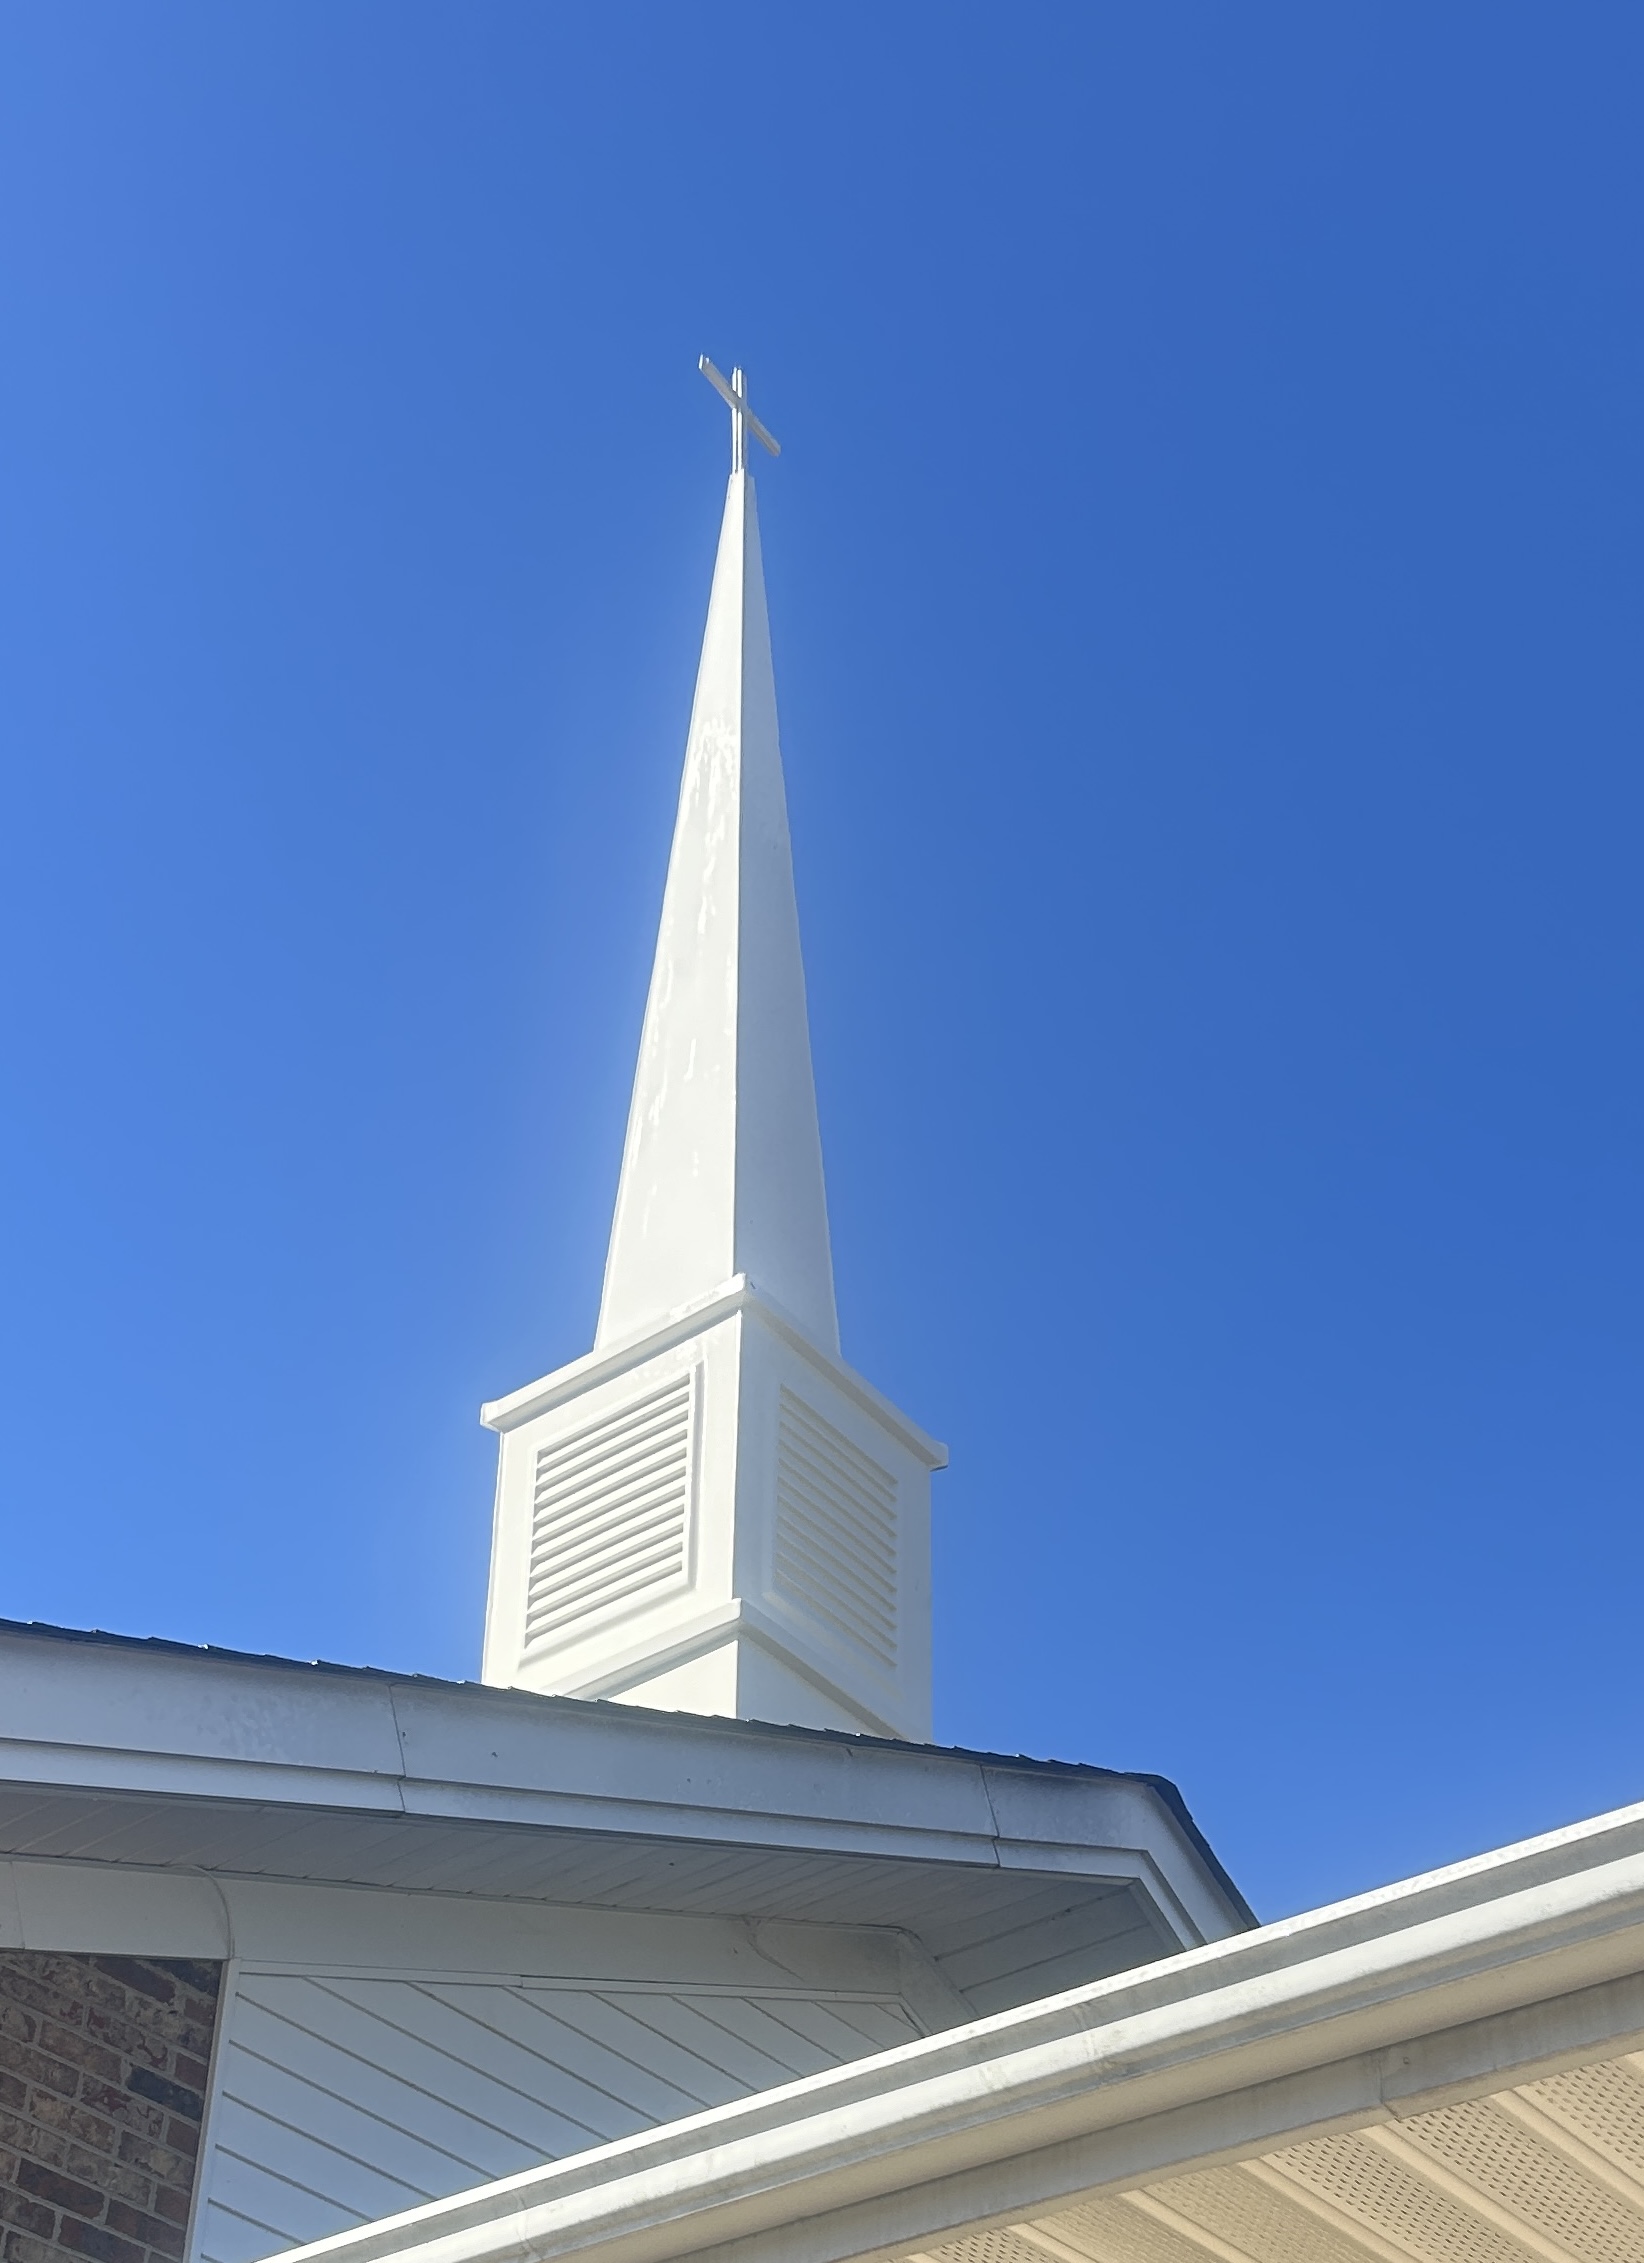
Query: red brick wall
<point>103,2070</point>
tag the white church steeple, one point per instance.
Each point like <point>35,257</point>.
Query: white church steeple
<point>722,1172</point>
<point>710,1512</point>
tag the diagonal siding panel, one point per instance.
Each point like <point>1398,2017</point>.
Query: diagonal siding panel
<point>342,2100</point>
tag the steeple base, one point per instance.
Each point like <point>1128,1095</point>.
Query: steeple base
<point>744,1678</point>
<point>715,1517</point>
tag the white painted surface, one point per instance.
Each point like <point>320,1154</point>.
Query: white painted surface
<point>965,1957</point>
<point>752,1531</point>
<point>344,2097</point>
<point>722,1167</point>
<point>710,1513</point>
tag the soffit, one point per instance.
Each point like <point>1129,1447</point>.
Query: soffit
<point>997,1935</point>
<point>1551,2171</point>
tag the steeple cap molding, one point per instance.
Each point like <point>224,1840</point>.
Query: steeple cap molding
<point>736,1295</point>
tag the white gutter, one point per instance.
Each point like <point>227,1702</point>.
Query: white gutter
<point>1524,1958</point>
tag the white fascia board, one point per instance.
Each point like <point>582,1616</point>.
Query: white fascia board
<point>294,1926</point>
<point>736,1295</point>
<point>1044,1826</point>
<point>1462,1980</point>
<point>107,1910</point>
<point>111,1699</point>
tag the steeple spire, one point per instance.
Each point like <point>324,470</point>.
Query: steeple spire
<point>711,1512</point>
<point>722,1169</point>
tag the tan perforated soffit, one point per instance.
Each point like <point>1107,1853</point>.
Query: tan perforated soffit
<point>1553,2171</point>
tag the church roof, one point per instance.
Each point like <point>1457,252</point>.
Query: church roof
<point>1016,1874</point>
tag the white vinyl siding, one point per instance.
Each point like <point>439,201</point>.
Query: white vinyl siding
<point>341,2100</point>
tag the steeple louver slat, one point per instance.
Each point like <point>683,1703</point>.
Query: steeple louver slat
<point>609,1510</point>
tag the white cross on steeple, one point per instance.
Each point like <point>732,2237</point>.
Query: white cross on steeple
<point>742,417</point>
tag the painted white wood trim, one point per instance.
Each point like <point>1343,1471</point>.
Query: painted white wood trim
<point>735,1295</point>
<point>104,1908</point>
<point>219,2058</point>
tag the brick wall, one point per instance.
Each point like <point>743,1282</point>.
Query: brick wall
<point>103,2069</point>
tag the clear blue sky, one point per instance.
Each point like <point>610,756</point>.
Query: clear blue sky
<point>1206,571</point>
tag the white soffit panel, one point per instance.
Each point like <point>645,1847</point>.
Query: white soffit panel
<point>344,2099</point>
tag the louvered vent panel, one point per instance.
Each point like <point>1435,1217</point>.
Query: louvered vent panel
<point>608,1520</point>
<point>835,1530</point>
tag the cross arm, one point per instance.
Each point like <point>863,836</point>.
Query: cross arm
<point>738,402</point>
